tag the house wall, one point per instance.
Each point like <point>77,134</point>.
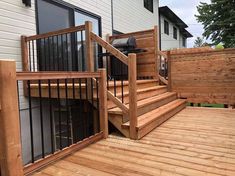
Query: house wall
<point>130,17</point>
<point>17,20</point>
<point>167,41</point>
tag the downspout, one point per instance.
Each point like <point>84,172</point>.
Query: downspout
<point>112,16</point>
<point>160,33</point>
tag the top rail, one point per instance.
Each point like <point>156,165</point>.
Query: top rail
<point>54,33</point>
<point>130,34</point>
<point>110,48</point>
<point>55,75</point>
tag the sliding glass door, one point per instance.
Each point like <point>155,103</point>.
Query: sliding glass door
<point>80,19</point>
<point>52,16</point>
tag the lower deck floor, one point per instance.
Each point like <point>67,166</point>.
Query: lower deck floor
<point>195,142</point>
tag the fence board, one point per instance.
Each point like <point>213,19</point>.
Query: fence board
<point>206,76</point>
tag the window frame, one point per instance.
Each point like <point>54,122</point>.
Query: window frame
<point>175,33</point>
<point>166,27</point>
<point>148,4</point>
<point>184,41</point>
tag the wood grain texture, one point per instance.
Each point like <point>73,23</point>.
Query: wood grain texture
<point>10,145</point>
<point>146,61</point>
<point>204,77</point>
<point>196,141</point>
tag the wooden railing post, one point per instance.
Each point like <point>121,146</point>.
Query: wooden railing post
<point>169,71</point>
<point>103,102</point>
<point>132,74</point>
<point>156,48</point>
<point>10,143</point>
<point>89,47</point>
<point>24,54</point>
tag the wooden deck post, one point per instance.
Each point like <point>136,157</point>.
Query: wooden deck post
<point>169,70</point>
<point>89,47</point>
<point>10,145</point>
<point>156,48</point>
<point>103,102</point>
<point>132,74</point>
<point>24,54</point>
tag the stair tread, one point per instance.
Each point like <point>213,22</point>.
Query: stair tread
<point>156,113</point>
<point>125,83</point>
<point>145,102</point>
<point>152,88</point>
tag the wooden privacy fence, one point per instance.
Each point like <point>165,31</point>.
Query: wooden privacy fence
<point>147,60</point>
<point>204,77</point>
<point>67,85</point>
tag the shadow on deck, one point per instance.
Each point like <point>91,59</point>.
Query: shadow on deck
<point>196,141</point>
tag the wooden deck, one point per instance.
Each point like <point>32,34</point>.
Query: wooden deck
<point>197,141</point>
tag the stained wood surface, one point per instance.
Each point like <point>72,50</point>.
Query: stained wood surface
<point>197,141</point>
<point>146,61</point>
<point>204,77</point>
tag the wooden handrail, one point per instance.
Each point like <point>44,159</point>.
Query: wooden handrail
<point>162,54</point>
<point>118,102</point>
<point>162,79</point>
<point>129,34</point>
<point>122,57</point>
<point>54,33</point>
<point>55,75</point>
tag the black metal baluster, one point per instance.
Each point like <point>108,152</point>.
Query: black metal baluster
<point>80,108</point>
<point>67,52</point>
<point>53,53</point>
<point>57,53</point>
<point>73,81</point>
<point>115,87</point>
<point>62,51</point>
<point>92,102</point>
<point>51,117</point>
<point>83,54</point>
<point>59,107</point>
<point>98,103</point>
<point>67,109</point>
<point>87,105</point>
<point>31,122</point>
<point>107,69</point>
<point>45,55</point>
<point>122,80</point>
<point>49,53</point>
<point>41,117</point>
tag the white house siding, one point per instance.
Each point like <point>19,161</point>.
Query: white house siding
<point>167,41</point>
<point>17,20</point>
<point>131,15</point>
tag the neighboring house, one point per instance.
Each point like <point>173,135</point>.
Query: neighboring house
<point>107,16</point>
<point>173,33</point>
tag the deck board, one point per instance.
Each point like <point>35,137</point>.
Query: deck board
<point>196,141</point>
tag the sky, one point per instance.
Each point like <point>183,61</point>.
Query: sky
<point>186,9</point>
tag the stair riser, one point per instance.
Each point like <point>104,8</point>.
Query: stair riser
<point>149,127</point>
<point>140,96</point>
<point>126,88</point>
<point>154,105</point>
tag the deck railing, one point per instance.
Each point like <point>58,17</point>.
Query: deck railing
<point>130,62</point>
<point>57,114</point>
<point>62,50</point>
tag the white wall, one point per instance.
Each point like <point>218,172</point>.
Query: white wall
<point>167,41</point>
<point>131,15</point>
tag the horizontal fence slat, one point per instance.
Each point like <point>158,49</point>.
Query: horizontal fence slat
<point>55,75</point>
<point>54,33</point>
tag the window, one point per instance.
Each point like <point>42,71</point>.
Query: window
<point>148,4</point>
<point>184,42</point>
<point>53,16</point>
<point>174,33</point>
<point>166,27</point>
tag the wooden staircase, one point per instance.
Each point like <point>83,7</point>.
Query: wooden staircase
<point>155,105</point>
